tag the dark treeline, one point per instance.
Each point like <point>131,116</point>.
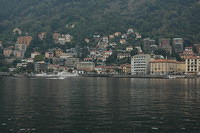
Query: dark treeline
<point>153,18</point>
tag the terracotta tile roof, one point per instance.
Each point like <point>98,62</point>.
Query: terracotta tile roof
<point>163,61</point>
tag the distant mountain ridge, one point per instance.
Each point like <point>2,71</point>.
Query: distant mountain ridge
<point>153,18</point>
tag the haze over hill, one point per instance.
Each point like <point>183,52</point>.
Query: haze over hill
<point>154,18</point>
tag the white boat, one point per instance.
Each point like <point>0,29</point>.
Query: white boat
<point>176,76</point>
<point>58,75</point>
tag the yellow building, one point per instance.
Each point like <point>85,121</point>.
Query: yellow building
<point>58,52</point>
<point>162,67</point>
<point>180,67</point>
<point>192,65</point>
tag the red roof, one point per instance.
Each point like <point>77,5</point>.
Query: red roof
<point>163,61</point>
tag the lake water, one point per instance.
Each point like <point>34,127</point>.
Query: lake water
<point>99,105</point>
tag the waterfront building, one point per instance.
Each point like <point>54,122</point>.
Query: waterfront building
<point>58,61</point>
<point>192,65</point>
<point>180,67</point>
<point>71,62</point>
<point>162,67</point>
<point>140,64</point>
<point>85,66</point>
<point>178,45</point>
<point>40,67</point>
<point>126,68</point>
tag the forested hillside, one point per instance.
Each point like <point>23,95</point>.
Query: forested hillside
<point>154,18</point>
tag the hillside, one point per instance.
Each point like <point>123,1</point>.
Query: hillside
<point>154,18</point>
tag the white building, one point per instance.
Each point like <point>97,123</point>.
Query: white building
<point>34,54</point>
<point>140,64</point>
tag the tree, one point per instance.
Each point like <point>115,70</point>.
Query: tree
<point>112,59</point>
<point>38,58</point>
<point>134,52</point>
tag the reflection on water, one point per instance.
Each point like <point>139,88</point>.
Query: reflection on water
<point>99,105</point>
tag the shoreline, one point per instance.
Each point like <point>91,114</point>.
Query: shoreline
<point>112,76</point>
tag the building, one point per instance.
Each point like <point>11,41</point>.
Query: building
<point>24,40</point>
<point>105,39</point>
<point>42,35</point>
<point>111,37</point>
<point>49,55</point>
<point>147,42</point>
<point>58,61</point>
<point>34,54</point>
<point>7,52</point>
<point>140,64</point>
<point>163,67</point>
<point>40,67</point>
<point>56,36</point>
<point>188,52</point>
<point>129,48</point>
<point>72,52</point>
<point>130,31</point>
<point>64,39</point>
<point>20,47</point>
<point>138,35</point>
<point>20,50</point>
<point>71,62</point>
<point>180,67</point>
<point>87,40</point>
<point>107,69</point>
<point>17,31</point>
<point>178,45</point>
<point>192,65</point>
<point>117,34</point>
<point>123,55</point>
<point>126,68</point>
<point>139,49</point>
<point>1,44</point>
<point>19,54</point>
<point>164,43</point>
<point>85,66</point>
<point>153,48</point>
<point>58,52</point>
<point>107,54</point>
<point>197,47</point>
<point>122,41</point>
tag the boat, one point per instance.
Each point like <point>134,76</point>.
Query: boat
<point>175,76</point>
<point>58,75</point>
